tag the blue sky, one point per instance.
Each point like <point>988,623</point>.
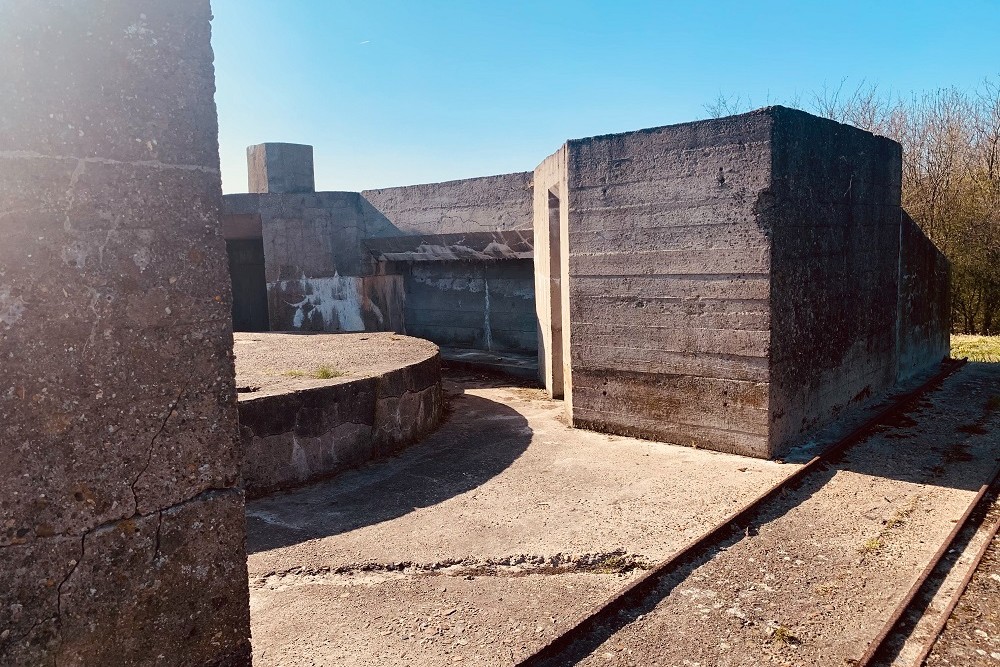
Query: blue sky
<point>395,93</point>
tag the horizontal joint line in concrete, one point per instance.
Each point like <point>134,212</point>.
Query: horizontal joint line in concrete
<point>731,223</point>
<point>619,325</point>
<point>155,164</point>
<point>674,276</point>
<point>694,354</point>
<point>664,251</point>
<point>682,299</point>
<point>623,207</point>
<point>662,421</point>
<point>698,377</point>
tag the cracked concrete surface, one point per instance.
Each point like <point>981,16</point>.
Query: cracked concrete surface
<point>475,521</point>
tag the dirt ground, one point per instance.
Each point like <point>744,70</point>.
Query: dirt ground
<point>278,362</point>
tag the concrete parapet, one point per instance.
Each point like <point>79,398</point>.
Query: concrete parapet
<point>301,432</point>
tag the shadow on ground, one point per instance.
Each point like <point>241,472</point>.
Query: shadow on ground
<point>477,440</point>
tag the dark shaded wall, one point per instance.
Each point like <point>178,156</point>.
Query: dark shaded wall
<point>246,268</point>
<point>293,438</point>
<point>924,301</point>
<point>668,263</point>
<point>475,305</point>
<point>122,534</point>
<point>834,214</point>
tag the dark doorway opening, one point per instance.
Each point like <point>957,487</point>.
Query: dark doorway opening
<point>246,268</point>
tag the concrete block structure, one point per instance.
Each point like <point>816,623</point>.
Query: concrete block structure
<point>450,262</point>
<point>280,169</point>
<point>733,284</point>
<point>121,517</point>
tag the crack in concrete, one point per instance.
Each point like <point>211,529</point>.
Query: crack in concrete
<point>14,640</point>
<point>156,539</point>
<point>520,565</point>
<point>152,444</point>
<point>75,564</point>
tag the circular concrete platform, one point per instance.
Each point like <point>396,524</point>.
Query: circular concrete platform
<point>268,363</point>
<point>312,405</point>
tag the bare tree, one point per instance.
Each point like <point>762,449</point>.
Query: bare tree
<point>951,176</point>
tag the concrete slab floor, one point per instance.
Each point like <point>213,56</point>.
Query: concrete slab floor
<point>481,542</point>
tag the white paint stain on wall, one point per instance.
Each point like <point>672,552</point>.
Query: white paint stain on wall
<point>460,283</point>
<point>337,299</point>
<point>487,328</point>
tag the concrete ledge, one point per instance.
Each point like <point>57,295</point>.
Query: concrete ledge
<point>291,435</point>
<point>470,246</point>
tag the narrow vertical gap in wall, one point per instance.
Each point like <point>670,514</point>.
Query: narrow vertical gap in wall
<point>246,271</point>
<point>555,295</point>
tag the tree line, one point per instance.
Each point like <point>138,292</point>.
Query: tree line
<point>951,177</point>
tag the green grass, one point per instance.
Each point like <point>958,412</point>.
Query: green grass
<point>872,546</point>
<point>783,635</point>
<point>976,348</point>
<point>325,372</point>
<point>322,372</point>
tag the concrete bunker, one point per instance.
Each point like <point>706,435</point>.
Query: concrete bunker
<point>734,284</point>
<point>449,262</point>
<point>747,278</point>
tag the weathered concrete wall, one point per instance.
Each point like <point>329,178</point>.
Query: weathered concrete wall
<point>321,275</point>
<point>485,302</point>
<point>834,214</point>
<point>318,275</point>
<point>924,302</point>
<point>668,283</point>
<point>733,284</point>
<point>487,204</point>
<point>476,305</point>
<point>122,534</point>
<point>292,438</point>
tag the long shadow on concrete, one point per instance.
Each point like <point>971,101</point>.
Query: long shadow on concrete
<point>476,441</point>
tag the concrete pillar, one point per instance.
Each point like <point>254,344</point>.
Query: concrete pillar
<point>121,517</point>
<point>551,219</point>
<point>280,168</point>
